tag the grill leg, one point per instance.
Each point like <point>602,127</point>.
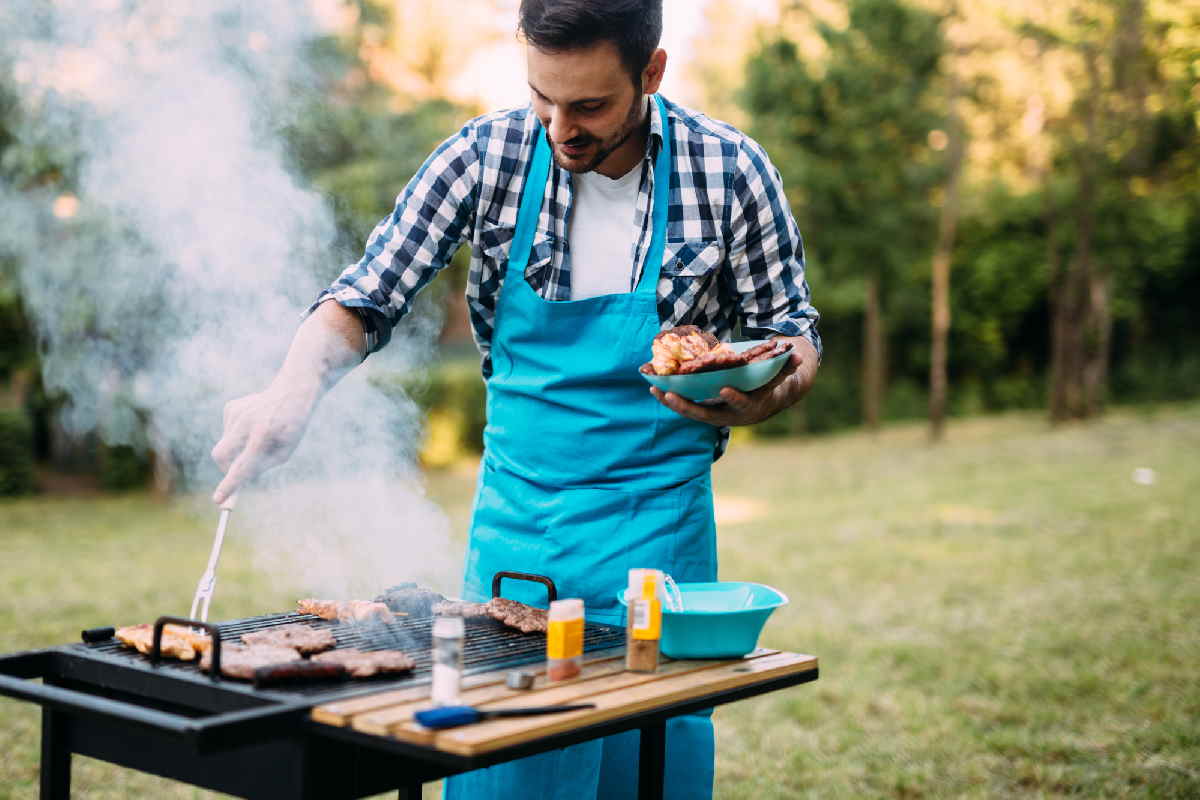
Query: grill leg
<point>56,757</point>
<point>652,760</point>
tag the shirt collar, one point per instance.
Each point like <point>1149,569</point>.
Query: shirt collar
<point>655,139</point>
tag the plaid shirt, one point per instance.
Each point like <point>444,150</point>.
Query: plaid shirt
<point>733,256</point>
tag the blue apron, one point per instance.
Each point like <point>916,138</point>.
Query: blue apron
<point>585,475</point>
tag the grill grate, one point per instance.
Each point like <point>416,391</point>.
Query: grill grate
<point>488,645</point>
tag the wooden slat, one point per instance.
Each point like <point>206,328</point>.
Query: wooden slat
<point>399,722</point>
<point>381,721</point>
<point>340,712</point>
<point>618,702</point>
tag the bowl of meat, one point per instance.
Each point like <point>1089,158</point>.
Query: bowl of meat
<point>717,619</point>
<point>694,364</point>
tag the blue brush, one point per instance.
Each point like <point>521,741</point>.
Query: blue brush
<point>453,716</point>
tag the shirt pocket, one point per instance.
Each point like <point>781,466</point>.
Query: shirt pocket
<point>689,277</point>
<point>495,250</point>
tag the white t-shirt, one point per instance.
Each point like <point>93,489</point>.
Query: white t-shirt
<point>602,232</point>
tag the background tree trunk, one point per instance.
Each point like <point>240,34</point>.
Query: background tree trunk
<point>942,255</point>
<point>1082,319</point>
<point>874,372</point>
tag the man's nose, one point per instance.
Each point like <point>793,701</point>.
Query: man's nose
<point>561,126</point>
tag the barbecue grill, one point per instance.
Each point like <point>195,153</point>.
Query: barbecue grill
<point>165,717</point>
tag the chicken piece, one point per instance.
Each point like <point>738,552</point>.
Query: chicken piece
<point>365,663</point>
<point>239,661</point>
<point>673,350</point>
<point>298,636</point>
<point>344,610</point>
<point>178,641</point>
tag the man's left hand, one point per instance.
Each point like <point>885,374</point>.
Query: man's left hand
<point>748,408</point>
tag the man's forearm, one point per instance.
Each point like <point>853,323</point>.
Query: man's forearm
<point>327,345</point>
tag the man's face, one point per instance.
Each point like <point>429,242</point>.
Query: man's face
<point>587,102</point>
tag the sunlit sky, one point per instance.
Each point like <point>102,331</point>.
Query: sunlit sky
<point>496,74</point>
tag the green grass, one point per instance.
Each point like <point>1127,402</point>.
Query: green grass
<point>1005,615</point>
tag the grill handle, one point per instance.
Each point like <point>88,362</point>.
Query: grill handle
<point>94,635</point>
<point>212,630</point>
<point>551,591</point>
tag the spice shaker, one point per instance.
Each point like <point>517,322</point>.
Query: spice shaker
<point>644,621</point>
<point>447,660</point>
<point>564,639</point>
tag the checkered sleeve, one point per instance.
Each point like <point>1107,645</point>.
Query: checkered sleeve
<point>766,253</point>
<point>432,217</point>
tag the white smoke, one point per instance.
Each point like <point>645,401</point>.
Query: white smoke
<point>173,278</point>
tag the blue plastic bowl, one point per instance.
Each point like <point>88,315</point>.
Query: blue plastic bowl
<point>719,620</point>
<point>701,386</point>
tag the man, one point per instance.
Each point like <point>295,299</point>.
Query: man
<point>597,216</point>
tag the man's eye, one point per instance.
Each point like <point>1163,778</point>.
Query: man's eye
<point>590,108</point>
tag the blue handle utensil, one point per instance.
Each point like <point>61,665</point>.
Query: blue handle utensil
<point>454,716</point>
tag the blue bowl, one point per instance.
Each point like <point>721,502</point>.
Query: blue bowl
<point>719,620</point>
<point>700,387</point>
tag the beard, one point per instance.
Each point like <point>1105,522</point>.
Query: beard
<point>606,147</point>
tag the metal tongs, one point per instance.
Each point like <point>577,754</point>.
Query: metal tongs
<point>204,589</point>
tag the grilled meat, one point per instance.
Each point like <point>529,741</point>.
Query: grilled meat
<point>365,663</point>
<point>761,352</point>
<point>409,598</point>
<point>240,661</point>
<point>177,641</point>
<point>298,636</point>
<point>344,610</point>
<point>687,349</point>
<point>460,608</point>
<point>710,362</point>
<point>526,619</point>
<point>298,672</point>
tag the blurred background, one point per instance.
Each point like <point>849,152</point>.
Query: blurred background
<point>999,200</point>
<point>984,512</point>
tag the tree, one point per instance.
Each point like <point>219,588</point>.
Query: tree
<point>1107,144</point>
<point>851,134</point>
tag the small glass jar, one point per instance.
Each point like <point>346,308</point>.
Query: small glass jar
<point>643,627</point>
<point>447,660</point>
<point>564,640</point>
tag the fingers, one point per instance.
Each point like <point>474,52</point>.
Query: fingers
<point>243,468</point>
<point>719,417</point>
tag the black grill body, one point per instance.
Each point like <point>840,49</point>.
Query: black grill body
<point>107,701</point>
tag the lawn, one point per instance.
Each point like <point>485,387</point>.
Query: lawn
<point>1008,614</point>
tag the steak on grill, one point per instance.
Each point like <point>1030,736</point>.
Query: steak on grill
<point>524,618</point>
<point>298,636</point>
<point>240,661</point>
<point>365,663</point>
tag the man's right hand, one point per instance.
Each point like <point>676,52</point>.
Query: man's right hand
<point>261,431</point>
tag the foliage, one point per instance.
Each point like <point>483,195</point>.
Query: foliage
<point>850,135</point>
<point>16,454</point>
<point>452,398</point>
<point>123,467</point>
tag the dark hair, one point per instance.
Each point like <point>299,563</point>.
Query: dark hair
<point>634,26</point>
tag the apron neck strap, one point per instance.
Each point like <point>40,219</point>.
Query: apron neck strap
<point>648,283</point>
<point>532,195</point>
<point>534,191</point>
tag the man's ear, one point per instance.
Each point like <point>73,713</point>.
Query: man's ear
<point>652,75</point>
